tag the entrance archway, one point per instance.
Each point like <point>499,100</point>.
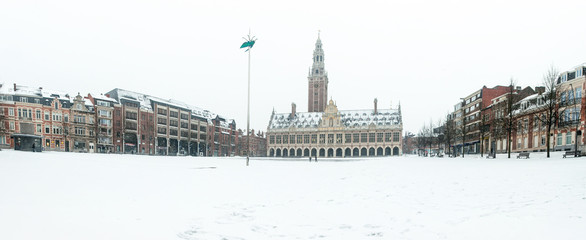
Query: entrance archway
<point>395,151</point>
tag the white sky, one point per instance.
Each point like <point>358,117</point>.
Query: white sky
<point>425,54</point>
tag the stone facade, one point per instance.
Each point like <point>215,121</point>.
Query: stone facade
<point>336,133</point>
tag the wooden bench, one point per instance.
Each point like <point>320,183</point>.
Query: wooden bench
<point>523,155</point>
<point>571,153</point>
<point>491,155</point>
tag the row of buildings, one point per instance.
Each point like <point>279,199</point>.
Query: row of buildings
<point>479,118</point>
<point>119,121</point>
<point>326,131</point>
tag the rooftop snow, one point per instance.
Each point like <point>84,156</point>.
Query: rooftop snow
<point>349,118</point>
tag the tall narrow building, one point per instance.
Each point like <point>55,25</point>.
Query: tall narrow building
<point>317,81</point>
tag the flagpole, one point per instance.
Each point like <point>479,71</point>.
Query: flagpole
<point>249,42</point>
<point>248,112</point>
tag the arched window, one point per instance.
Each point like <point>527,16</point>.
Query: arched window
<point>331,122</point>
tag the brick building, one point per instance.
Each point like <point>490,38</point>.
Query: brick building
<point>258,144</point>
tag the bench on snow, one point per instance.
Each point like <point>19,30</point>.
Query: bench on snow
<point>571,153</point>
<point>523,155</point>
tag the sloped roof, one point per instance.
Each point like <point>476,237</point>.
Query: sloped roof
<point>349,118</point>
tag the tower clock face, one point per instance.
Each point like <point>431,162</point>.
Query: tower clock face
<point>316,85</point>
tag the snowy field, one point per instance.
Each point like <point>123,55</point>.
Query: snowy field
<point>54,195</point>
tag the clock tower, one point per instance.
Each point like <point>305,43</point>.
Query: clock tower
<point>317,81</point>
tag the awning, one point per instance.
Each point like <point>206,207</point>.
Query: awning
<point>25,135</point>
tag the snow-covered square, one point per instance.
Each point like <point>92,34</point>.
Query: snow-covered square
<point>54,195</point>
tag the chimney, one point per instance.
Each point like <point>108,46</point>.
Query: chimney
<point>540,90</point>
<point>15,87</point>
<point>518,88</point>
<point>375,106</point>
<point>293,110</point>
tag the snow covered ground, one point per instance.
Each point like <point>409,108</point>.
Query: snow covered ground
<point>54,195</point>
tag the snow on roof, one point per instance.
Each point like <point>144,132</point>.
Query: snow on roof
<point>103,97</point>
<point>145,103</point>
<point>27,91</point>
<point>143,99</point>
<point>88,102</point>
<point>6,89</point>
<point>349,118</point>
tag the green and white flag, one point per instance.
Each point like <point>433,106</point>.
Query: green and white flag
<point>248,44</point>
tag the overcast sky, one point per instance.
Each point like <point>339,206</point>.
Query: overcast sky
<point>424,54</point>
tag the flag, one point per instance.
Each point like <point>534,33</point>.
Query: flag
<point>248,44</point>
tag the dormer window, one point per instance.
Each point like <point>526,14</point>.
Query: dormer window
<point>564,77</point>
<point>579,72</point>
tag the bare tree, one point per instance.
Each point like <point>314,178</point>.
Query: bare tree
<point>441,137</point>
<point>430,137</point>
<point>509,121</point>
<point>462,131</point>
<point>549,106</point>
<point>421,142</point>
<point>484,129</point>
<point>3,127</point>
<point>449,132</point>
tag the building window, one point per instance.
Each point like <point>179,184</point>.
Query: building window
<point>322,138</point>
<point>10,111</point>
<point>388,137</point>
<point>47,129</point>
<point>559,139</point>
<point>292,138</point>
<point>279,139</point>
<point>285,139</point>
<point>330,138</point>
<point>568,138</point>
<point>348,137</point>
<point>364,137</point>
<point>57,130</point>
<point>305,138</point>
<point>542,140</point>
<point>173,132</point>
<point>79,131</point>
<point>371,137</point>
<point>355,138</point>
<point>47,142</point>
<point>314,138</point>
<point>38,114</point>
<point>12,127</point>
<point>272,139</point>
<point>379,137</point>
<point>396,137</point>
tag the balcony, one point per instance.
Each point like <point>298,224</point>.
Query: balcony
<point>569,123</point>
